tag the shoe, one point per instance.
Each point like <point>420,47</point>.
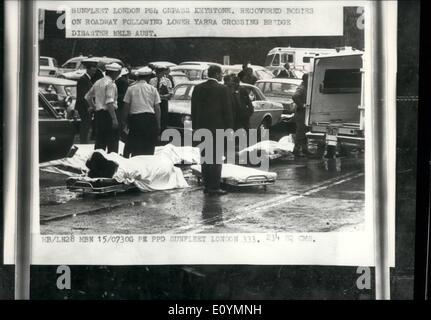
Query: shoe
<point>216,192</point>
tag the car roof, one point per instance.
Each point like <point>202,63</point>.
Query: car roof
<point>341,54</point>
<point>189,67</point>
<point>253,66</point>
<point>57,81</point>
<point>282,80</point>
<point>184,63</point>
<point>191,82</point>
<point>163,63</point>
<point>177,73</point>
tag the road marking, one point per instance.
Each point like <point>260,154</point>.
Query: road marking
<point>270,203</point>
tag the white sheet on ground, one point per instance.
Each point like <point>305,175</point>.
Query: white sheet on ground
<point>239,173</point>
<point>148,173</point>
<point>178,155</point>
<point>271,149</point>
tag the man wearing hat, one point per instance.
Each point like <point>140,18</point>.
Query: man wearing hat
<point>83,85</point>
<point>142,110</point>
<point>102,97</point>
<point>164,86</point>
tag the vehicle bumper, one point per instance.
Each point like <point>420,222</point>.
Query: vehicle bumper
<point>344,140</point>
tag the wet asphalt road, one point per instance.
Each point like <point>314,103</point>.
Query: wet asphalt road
<point>308,196</point>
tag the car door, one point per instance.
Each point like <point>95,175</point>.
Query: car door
<point>56,134</point>
<point>262,108</point>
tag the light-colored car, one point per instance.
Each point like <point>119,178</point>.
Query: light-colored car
<point>280,90</point>
<point>48,66</point>
<point>193,72</point>
<point>61,93</point>
<point>179,77</point>
<point>200,63</point>
<point>266,113</point>
<point>73,68</point>
<point>163,64</point>
<point>261,73</point>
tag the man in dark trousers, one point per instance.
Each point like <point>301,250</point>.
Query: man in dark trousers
<point>83,85</point>
<point>142,113</point>
<point>300,99</point>
<point>211,110</point>
<point>102,97</point>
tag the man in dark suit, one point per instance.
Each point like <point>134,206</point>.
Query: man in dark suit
<point>83,85</point>
<point>212,110</point>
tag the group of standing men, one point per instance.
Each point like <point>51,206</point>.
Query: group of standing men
<point>139,111</point>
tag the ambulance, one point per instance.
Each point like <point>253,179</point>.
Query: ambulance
<point>335,101</point>
<point>298,58</point>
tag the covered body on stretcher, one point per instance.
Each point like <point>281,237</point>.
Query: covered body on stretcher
<point>240,176</point>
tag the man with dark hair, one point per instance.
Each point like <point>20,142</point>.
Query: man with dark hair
<point>211,110</point>
<point>102,97</point>
<point>142,112</point>
<point>300,99</point>
<point>83,85</point>
<point>286,72</point>
<point>164,87</point>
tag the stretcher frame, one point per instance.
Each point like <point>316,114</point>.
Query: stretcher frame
<point>87,187</point>
<point>251,181</point>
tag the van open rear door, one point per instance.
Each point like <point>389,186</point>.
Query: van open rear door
<point>334,99</point>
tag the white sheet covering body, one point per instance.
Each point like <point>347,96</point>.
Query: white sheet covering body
<point>148,173</point>
<point>272,149</point>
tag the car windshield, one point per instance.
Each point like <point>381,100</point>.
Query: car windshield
<point>192,74</point>
<point>71,65</point>
<point>264,74</point>
<point>268,59</point>
<point>180,79</point>
<point>43,62</point>
<point>279,89</point>
<point>181,93</point>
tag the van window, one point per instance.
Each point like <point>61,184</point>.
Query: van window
<point>341,81</point>
<point>276,61</point>
<point>43,62</point>
<point>268,59</point>
<point>290,58</point>
<point>306,59</point>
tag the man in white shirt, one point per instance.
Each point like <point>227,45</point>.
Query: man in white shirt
<point>102,98</point>
<point>142,111</point>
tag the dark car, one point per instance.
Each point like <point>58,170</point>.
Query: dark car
<point>56,134</point>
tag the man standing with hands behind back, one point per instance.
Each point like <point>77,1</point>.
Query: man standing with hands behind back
<point>211,110</point>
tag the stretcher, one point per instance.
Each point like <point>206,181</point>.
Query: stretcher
<point>97,186</point>
<point>240,176</point>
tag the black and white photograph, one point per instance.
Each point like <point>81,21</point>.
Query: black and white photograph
<point>208,132</point>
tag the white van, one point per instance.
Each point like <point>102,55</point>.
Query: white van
<point>334,108</point>
<point>298,58</point>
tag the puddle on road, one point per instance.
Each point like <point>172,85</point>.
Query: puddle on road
<point>56,195</point>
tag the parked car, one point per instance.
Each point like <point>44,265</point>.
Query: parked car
<point>280,90</point>
<point>73,69</point>
<point>200,63</point>
<point>261,73</point>
<point>61,93</point>
<point>266,113</point>
<point>193,72</point>
<point>163,64</point>
<point>48,66</point>
<point>56,134</point>
<point>179,77</point>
